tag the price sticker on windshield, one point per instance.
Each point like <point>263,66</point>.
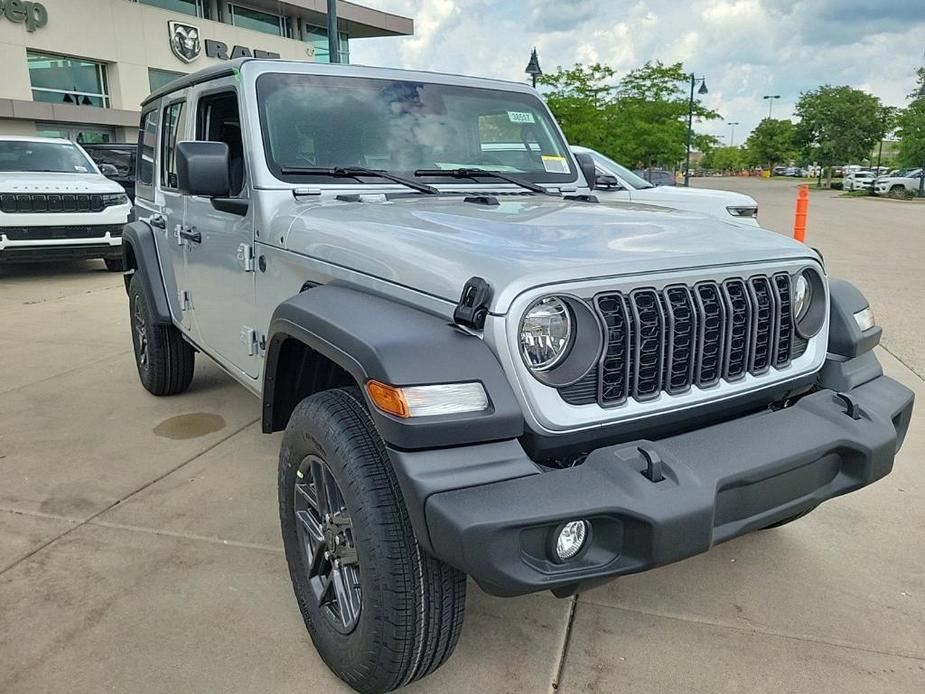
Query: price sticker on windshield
<point>520,117</point>
<point>554,164</point>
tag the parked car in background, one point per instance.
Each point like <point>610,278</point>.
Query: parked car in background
<point>116,161</point>
<point>905,181</point>
<point>56,205</point>
<point>779,171</point>
<point>657,177</point>
<point>616,183</point>
<point>794,171</point>
<point>858,180</point>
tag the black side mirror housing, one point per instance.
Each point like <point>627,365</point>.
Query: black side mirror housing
<point>588,170</point>
<point>202,169</point>
<point>108,170</point>
<point>607,181</point>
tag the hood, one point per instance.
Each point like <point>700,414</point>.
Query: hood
<point>434,245</point>
<point>42,182</point>
<point>682,195</point>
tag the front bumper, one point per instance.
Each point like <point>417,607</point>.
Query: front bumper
<point>719,482</point>
<point>59,243</point>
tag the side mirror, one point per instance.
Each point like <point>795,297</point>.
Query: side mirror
<point>202,169</point>
<point>108,170</point>
<point>588,170</point>
<point>607,181</point>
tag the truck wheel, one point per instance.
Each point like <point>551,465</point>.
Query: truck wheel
<point>164,359</point>
<point>113,264</point>
<point>381,612</point>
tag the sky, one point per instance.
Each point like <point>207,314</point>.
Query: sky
<point>745,48</point>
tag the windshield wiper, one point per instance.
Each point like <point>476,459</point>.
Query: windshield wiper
<point>354,172</point>
<point>474,173</point>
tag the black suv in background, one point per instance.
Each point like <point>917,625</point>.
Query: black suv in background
<point>116,161</point>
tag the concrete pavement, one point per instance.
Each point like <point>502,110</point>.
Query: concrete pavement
<point>139,542</point>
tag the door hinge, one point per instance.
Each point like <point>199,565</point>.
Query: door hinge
<point>186,300</point>
<point>472,309</point>
<point>247,257</point>
<point>253,341</point>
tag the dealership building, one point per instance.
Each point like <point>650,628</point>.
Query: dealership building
<point>81,68</point>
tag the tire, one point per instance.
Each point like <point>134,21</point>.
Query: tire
<point>405,607</point>
<point>164,359</point>
<point>113,264</point>
<point>900,189</point>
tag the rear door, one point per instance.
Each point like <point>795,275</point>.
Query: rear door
<point>221,261</point>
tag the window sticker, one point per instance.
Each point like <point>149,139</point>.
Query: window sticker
<point>520,117</point>
<point>554,164</point>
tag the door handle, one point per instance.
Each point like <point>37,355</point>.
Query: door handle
<point>158,221</point>
<point>190,234</point>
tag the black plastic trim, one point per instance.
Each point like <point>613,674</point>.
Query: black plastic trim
<point>138,243</point>
<point>845,336</point>
<point>372,337</point>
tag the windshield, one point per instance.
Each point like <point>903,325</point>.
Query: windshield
<point>58,157</point>
<point>613,168</point>
<point>123,158</point>
<point>312,121</point>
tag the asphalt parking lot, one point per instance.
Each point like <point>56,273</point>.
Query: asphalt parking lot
<point>140,551</point>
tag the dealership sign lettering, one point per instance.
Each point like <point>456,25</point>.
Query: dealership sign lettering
<point>186,44</point>
<point>32,14</point>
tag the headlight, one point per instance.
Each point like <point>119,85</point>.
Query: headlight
<point>802,293</point>
<point>545,333</point>
<point>113,199</point>
<point>743,211</point>
<point>809,303</point>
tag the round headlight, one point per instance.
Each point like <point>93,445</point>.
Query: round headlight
<point>545,333</point>
<point>802,296</point>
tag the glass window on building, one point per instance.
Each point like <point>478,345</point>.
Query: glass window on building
<point>59,79</point>
<point>77,133</point>
<point>318,38</point>
<point>197,8</point>
<point>248,18</point>
<point>158,78</point>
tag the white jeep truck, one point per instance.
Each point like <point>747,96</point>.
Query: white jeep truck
<point>56,205</point>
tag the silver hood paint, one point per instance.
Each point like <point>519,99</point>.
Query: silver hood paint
<point>434,245</point>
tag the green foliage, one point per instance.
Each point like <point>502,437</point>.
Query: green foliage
<point>910,125</point>
<point>640,120</point>
<point>730,159</point>
<point>839,125</point>
<point>771,142</point>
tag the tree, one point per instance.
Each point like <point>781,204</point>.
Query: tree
<point>839,125</point>
<point>911,126</point>
<point>725,159</point>
<point>771,142</point>
<point>639,120</point>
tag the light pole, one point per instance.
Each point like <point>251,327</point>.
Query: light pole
<point>732,134</point>
<point>533,67</point>
<point>333,45</point>
<point>690,124</point>
<point>770,98</point>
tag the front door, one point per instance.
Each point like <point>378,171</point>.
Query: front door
<point>220,261</point>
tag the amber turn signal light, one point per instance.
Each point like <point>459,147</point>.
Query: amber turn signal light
<point>388,399</point>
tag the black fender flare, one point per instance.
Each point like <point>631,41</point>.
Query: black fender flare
<point>372,337</point>
<point>139,255</point>
<point>845,336</point>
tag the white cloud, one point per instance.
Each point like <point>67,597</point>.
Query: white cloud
<point>746,48</point>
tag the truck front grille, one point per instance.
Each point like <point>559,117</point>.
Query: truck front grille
<point>21,203</point>
<point>45,233</point>
<point>679,337</point>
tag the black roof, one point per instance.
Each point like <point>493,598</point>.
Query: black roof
<point>209,73</point>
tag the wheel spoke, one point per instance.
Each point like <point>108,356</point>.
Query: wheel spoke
<point>319,478</point>
<point>312,527</point>
<point>308,493</point>
<point>347,602</point>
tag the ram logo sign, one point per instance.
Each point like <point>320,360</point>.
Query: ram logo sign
<point>184,41</point>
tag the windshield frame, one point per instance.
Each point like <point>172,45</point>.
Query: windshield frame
<point>545,178</point>
<point>88,160</point>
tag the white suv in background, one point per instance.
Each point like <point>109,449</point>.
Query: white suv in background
<point>616,183</point>
<point>56,205</point>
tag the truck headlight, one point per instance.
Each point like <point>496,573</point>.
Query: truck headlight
<point>560,339</point>
<point>545,333</point>
<point>743,211</point>
<point>808,303</point>
<point>113,199</point>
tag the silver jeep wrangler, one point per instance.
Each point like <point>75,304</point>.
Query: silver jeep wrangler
<point>480,369</point>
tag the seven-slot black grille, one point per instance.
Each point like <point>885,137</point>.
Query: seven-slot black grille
<point>20,203</point>
<point>678,337</point>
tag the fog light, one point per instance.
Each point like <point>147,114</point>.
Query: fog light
<point>571,539</point>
